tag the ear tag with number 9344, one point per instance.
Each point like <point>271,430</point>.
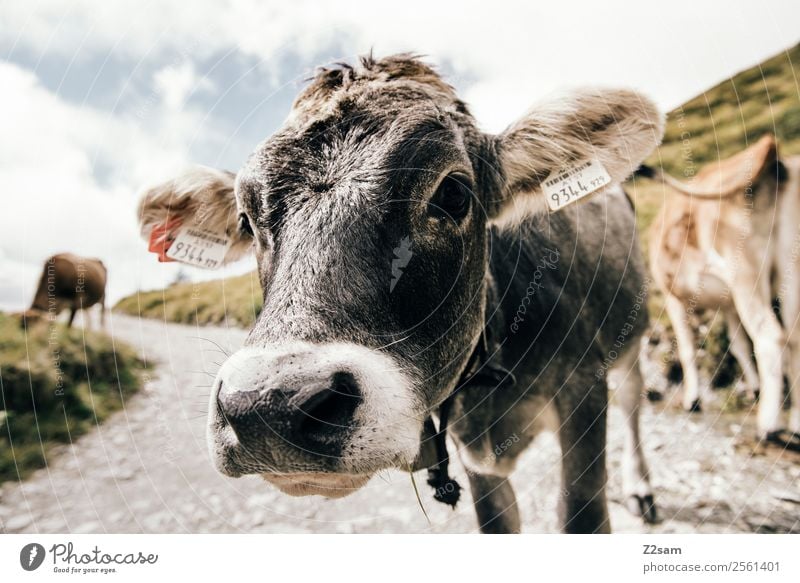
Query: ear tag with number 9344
<point>575,183</point>
<point>199,247</point>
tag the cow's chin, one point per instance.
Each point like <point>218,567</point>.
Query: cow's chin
<point>317,484</point>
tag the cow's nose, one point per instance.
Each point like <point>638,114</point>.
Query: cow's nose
<point>315,415</point>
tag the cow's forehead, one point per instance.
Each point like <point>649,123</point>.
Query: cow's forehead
<point>358,144</point>
<point>354,122</point>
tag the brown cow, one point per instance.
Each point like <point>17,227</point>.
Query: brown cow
<point>69,282</point>
<point>732,243</point>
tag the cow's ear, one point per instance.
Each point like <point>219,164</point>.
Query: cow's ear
<point>617,128</point>
<point>201,197</point>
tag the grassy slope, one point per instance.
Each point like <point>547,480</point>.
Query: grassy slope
<point>716,123</point>
<point>723,120</point>
<point>96,378</point>
<point>235,301</point>
<point>736,112</point>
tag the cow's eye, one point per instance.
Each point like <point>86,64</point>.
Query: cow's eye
<point>244,225</point>
<point>452,197</point>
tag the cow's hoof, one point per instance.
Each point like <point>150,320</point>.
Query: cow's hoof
<point>784,439</point>
<point>695,407</point>
<point>643,507</point>
<point>654,396</point>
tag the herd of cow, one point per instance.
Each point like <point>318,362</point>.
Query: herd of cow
<point>346,374</point>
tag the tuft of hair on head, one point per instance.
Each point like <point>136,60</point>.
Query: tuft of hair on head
<point>340,77</point>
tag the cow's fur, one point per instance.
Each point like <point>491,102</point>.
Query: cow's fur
<point>732,243</point>
<point>381,154</point>
<point>68,282</point>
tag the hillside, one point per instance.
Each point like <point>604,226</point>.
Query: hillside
<point>722,120</point>
<point>235,301</point>
<point>716,123</point>
<point>736,112</point>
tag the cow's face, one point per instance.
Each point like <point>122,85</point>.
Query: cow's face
<point>368,215</point>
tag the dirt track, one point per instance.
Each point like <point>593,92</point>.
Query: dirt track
<point>146,470</point>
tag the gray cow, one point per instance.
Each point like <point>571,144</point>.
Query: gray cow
<point>352,353</point>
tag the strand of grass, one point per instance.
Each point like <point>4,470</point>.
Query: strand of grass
<point>419,500</point>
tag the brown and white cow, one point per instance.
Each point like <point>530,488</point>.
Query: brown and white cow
<point>68,282</point>
<point>732,243</point>
<point>398,248</point>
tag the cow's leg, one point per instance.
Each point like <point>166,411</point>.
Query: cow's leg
<point>787,261</point>
<point>790,312</point>
<point>742,352</point>
<point>495,504</point>
<point>582,436</point>
<point>793,356</point>
<point>755,310</point>
<point>686,352</point>
<point>103,312</point>
<point>635,475</point>
<point>72,312</point>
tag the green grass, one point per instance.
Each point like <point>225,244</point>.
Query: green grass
<point>233,301</point>
<point>724,119</point>
<point>44,402</point>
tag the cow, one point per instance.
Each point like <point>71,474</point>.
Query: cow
<point>409,269</point>
<point>68,282</point>
<point>732,243</point>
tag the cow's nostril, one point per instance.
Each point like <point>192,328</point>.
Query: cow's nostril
<point>327,412</point>
<point>236,405</point>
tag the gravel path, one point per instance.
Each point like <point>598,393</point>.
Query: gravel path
<point>147,470</point>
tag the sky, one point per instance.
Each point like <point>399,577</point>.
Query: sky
<point>100,99</point>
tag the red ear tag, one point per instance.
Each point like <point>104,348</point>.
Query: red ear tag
<point>161,238</point>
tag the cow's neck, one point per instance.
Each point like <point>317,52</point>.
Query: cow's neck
<point>479,371</point>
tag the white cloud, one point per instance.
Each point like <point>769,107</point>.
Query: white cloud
<point>177,82</point>
<point>52,198</point>
<point>505,53</point>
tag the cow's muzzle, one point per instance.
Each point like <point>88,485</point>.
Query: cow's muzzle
<point>312,419</point>
<point>312,415</point>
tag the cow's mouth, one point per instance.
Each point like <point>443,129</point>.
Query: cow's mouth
<point>317,484</point>
<point>312,419</point>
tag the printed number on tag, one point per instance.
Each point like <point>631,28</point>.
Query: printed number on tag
<point>573,184</point>
<point>199,247</point>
